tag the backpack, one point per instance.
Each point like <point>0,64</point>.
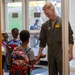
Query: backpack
<point>20,62</point>
<point>10,47</point>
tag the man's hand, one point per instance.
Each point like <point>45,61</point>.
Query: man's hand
<point>42,55</point>
<point>70,56</point>
<point>70,51</point>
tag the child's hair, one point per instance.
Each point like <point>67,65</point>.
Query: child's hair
<point>5,36</point>
<point>36,20</point>
<point>24,35</point>
<point>15,32</point>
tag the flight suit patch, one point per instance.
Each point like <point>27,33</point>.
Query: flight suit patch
<point>57,26</point>
<point>49,28</point>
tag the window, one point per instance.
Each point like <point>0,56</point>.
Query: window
<point>14,15</point>
<point>36,14</point>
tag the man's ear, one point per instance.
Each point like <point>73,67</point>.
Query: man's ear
<point>53,8</point>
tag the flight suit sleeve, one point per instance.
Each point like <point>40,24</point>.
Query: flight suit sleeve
<point>42,37</point>
<point>70,35</point>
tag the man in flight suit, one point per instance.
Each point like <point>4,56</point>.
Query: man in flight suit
<point>51,34</point>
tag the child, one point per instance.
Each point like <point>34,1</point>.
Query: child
<point>4,41</point>
<point>11,44</point>
<point>15,39</point>
<point>24,37</point>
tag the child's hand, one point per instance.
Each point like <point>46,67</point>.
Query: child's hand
<point>42,55</point>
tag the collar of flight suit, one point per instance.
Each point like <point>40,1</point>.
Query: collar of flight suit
<point>55,25</point>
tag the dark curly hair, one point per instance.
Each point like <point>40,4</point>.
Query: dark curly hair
<point>24,35</point>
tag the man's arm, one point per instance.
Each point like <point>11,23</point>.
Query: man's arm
<point>42,39</point>
<point>71,42</point>
<point>40,51</point>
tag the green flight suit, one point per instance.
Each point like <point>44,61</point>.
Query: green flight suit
<point>53,38</point>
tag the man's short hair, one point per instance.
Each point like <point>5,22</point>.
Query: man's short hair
<point>47,6</point>
<point>24,35</point>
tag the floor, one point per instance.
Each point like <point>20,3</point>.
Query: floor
<point>40,71</point>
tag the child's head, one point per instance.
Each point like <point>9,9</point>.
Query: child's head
<point>15,33</point>
<point>4,37</point>
<point>24,36</point>
<point>36,21</point>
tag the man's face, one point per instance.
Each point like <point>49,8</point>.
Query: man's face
<point>49,13</point>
